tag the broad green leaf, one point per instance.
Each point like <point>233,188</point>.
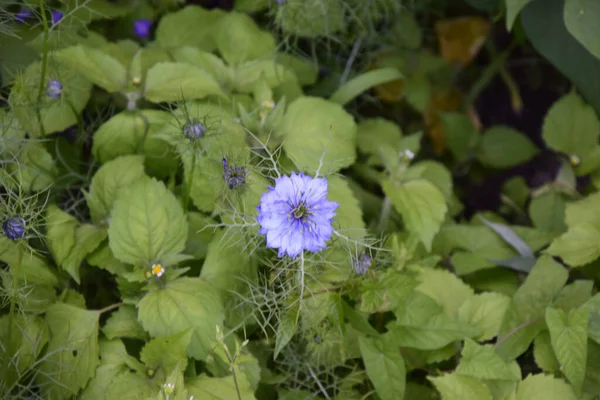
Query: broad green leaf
<point>592,378</point>
<point>34,169</point>
<point>503,147</point>
<point>72,353</point>
<point>543,23</point>
<point>579,245</point>
<point>581,19</point>
<point>180,305</point>
<point>136,133</point>
<point>103,258</point>
<point>543,353</point>
<point>209,388</point>
<point>482,362</point>
<point>547,211</point>
<point>319,135</point>
<point>56,114</point>
<point>87,239</point>
<point>144,59</point>
<point>454,386</point>
<point>123,323</point>
<point>230,269</point>
<point>524,318</point>
<point>544,387</point>
<point>109,180</point>
<point>60,233</point>
<point>568,335</point>
<point>484,311</point>
<point>434,172</point>
<point>363,82</point>
<point>305,69</point>
<point>446,288</point>
<point>460,133</point>
<point>348,218</point>
<point>205,60</point>
<point>200,235</point>
<point>131,386</point>
<point>239,39</point>
<point>571,126</point>
<point>513,8</point>
<point>147,223</point>
<point>574,295</point>
<point>164,354</point>
<point>23,337</point>
<point>375,135</point>
<point>385,367</point>
<point>190,26</point>
<point>173,81</point>
<point>389,291</point>
<point>96,66</point>
<point>421,204</point>
<point>26,265</point>
<point>249,73</point>
<point>584,210</point>
<point>286,329</point>
<point>422,324</point>
<point>310,18</point>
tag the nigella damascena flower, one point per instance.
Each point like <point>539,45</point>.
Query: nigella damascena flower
<point>54,88</point>
<point>14,227</point>
<point>23,14</point>
<point>296,215</point>
<point>141,28</point>
<point>56,16</point>
<point>193,129</point>
<point>233,175</point>
<point>362,264</point>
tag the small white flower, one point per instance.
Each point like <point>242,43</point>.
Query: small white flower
<point>157,270</point>
<point>169,388</point>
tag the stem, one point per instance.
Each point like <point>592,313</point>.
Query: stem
<point>515,330</point>
<point>301,285</point>
<point>44,65</point>
<point>188,186</point>
<point>11,314</point>
<point>386,208</point>
<point>110,308</point>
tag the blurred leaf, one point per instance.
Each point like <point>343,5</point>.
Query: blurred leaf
<point>319,135</point>
<point>544,387</point>
<point>447,289</point>
<point>190,26</point>
<point>461,135</point>
<point>547,211</point>
<point>441,101</point>
<point>513,8</point>
<point>363,82</point>
<point>165,354</point>
<point>286,329</point>
<point>510,237</point>
<point>310,18</point>
<point>484,311</point>
<point>385,367</point>
<point>544,354</point>
<point>123,323</point>
<point>579,245</point>
<point>568,335</point>
<point>455,386</point>
<point>482,362</point>
<point>34,169</point>
<point>180,305</point>
<point>147,224</point>
<point>581,19</point>
<point>461,38</point>
<point>239,39</point>
<point>503,147</point>
<point>205,387</point>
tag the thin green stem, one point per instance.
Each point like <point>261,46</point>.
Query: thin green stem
<point>188,185</point>
<point>44,65</point>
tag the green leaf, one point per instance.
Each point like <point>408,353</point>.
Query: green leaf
<point>56,114</point>
<point>503,147</point>
<point>375,136</point>
<point>319,135</point>
<point>482,362</point>
<point>249,73</point>
<point>524,318</point>
<point>584,210</point>
<point>60,233</point>
<point>385,367</point>
<point>454,386</point>
<point>123,323</point>
<point>421,204</point>
<point>200,235</point>
<point>72,353</point>
<point>434,172</point>
<point>136,133</point>
<point>209,388</point>
<point>109,180</point>
<point>183,304</point>
<point>286,329</point>
<point>34,169</point>
<point>571,126</point>
<point>484,311</point>
<point>568,335</point>
<point>305,69</point>
<point>389,291</point>
<point>25,265</point>
<point>348,218</point>
<point>544,387</point>
<point>88,238</point>
<point>166,353</point>
<point>147,224</point>
<point>543,353</point>
<point>422,324</point>
<point>574,295</point>
<point>172,81</point>
<point>239,39</point>
<point>205,60</point>
<point>311,18</point>
<point>448,290</point>
<point>581,19</point>
<point>96,66</point>
<point>131,386</point>
<point>547,211</point>
<point>190,26</point>
<point>460,133</point>
<point>513,8</point>
<point>363,82</point>
<point>510,237</point>
<point>579,245</point>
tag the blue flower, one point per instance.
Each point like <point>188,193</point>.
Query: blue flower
<point>362,264</point>
<point>54,88</point>
<point>193,129</point>
<point>296,215</point>
<point>23,14</point>
<point>141,28</point>
<point>56,16</point>
<point>234,175</point>
<point>14,228</point>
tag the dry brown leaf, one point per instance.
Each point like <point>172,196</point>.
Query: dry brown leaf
<point>441,101</point>
<point>461,38</point>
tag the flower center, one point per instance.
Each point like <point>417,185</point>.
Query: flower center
<point>301,212</point>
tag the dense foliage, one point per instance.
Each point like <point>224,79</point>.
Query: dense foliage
<point>282,200</point>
